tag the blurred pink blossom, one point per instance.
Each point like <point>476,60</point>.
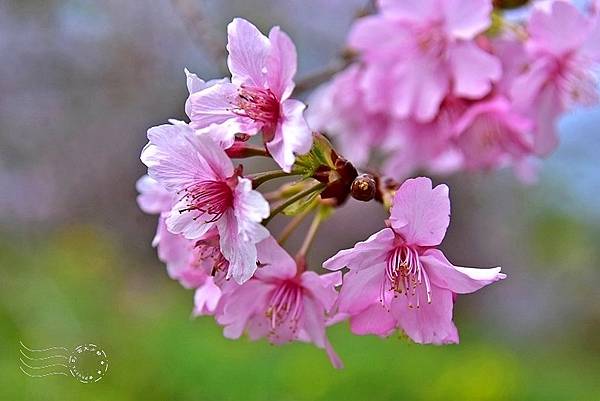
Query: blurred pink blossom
<point>563,51</point>
<point>417,52</point>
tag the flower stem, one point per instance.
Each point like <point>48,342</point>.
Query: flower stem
<point>261,178</point>
<point>243,150</point>
<point>292,199</point>
<point>292,225</point>
<point>308,240</point>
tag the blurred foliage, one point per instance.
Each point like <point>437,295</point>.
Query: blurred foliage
<point>77,287</point>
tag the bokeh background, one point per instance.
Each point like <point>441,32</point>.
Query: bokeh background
<point>82,80</point>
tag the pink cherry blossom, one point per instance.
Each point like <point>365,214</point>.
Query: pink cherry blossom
<point>491,135</point>
<point>192,263</point>
<point>417,52</point>
<point>208,193</point>
<point>280,303</point>
<point>257,99</point>
<point>563,51</point>
<point>398,278</point>
<point>339,109</point>
<point>413,145</point>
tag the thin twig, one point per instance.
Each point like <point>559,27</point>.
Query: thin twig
<point>292,199</point>
<point>292,225</point>
<point>310,236</point>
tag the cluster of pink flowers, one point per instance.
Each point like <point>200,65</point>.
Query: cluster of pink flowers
<point>212,228</point>
<point>438,86</point>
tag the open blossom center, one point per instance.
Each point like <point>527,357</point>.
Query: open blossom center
<point>405,274</point>
<point>259,104</point>
<point>209,249</point>
<point>286,305</point>
<point>208,197</point>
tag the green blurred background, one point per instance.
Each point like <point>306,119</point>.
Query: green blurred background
<point>81,81</point>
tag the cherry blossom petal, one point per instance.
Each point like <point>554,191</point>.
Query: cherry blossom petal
<point>275,261</point>
<point>420,85</point>
<point>474,70</point>
<point>461,280</point>
<point>419,213</point>
<point>213,105</point>
<point>191,224</point>
<point>281,64</point>
<point>176,157</point>
<point>376,319</point>
<point>240,252</point>
<point>558,28</point>
<point>361,288</point>
<point>416,11</point>
<point>206,298</point>
<point>314,325</point>
<point>292,135</point>
<point>322,287</point>
<point>241,305</point>
<point>466,18</point>
<point>248,52</point>
<point>429,323</point>
<point>152,198</point>
<point>365,253</point>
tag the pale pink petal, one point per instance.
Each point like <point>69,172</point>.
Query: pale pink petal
<point>213,105</point>
<point>466,18</point>
<point>258,326</point>
<point>152,198</point>
<point>474,70</point>
<point>195,84</point>
<point>281,64</point>
<point>321,288</point>
<point>548,109</point>
<point>314,321</point>
<point>416,11</point>
<point>292,135</point>
<point>461,280</point>
<point>334,358</point>
<point>376,34</point>
<point>206,298</point>
<point>250,208</point>
<point>239,252</point>
<point>314,325</point>
<point>558,29</point>
<point>248,52</point>
<point>240,305</point>
<point>364,254</point>
<point>361,288</point>
<point>590,48</point>
<point>275,261</point>
<point>176,157</point>
<point>429,323</point>
<point>419,213</point>
<point>376,319</point>
<point>420,85</point>
<point>191,224</point>
<point>173,249</point>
